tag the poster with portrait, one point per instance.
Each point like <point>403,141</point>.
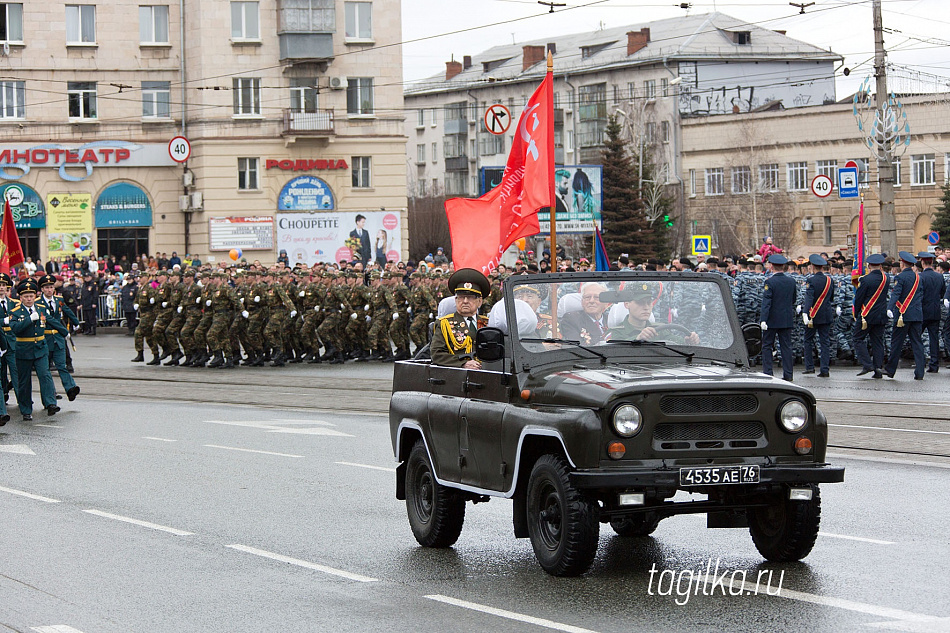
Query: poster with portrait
<point>323,237</point>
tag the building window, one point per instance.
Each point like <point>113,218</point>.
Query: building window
<point>665,87</point>
<point>922,169</point>
<point>692,183</point>
<point>741,180</point>
<point>714,182</point>
<point>435,152</point>
<point>898,181</point>
<point>557,100</point>
<point>946,168</point>
<point>421,190</point>
<point>616,93</point>
<point>829,168</point>
<point>156,97</point>
<point>247,95</point>
<point>81,96</point>
<point>12,101</point>
<point>650,132</point>
<point>11,22</point>
<point>153,24</point>
<point>245,21</point>
<point>798,176</point>
<point>665,131</point>
<point>453,145</point>
<point>490,144</point>
<point>421,121</point>
<point>359,20</point>
<point>768,177</point>
<point>359,95</point>
<point>592,114</point>
<point>361,172</point>
<point>649,88</point>
<point>631,90</point>
<point>80,24</point>
<point>303,94</point>
<point>247,174</point>
<point>827,226</point>
<point>420,153</point>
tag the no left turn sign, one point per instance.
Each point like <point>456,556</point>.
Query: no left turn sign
<point>497,119</point>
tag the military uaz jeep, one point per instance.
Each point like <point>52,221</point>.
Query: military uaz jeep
<point>599,397</point>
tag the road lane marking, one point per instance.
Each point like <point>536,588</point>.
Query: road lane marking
<point>510,615</point>
<point>857,538</point>
<point>146,524</point>
<point>250,450</point>
<point>826,601</point>
<point>916,404</point>
<point>927,625</point>
<point>302,563</point>
<point>16,449</point>
<point>315,427</point>
<point>388,470</point>
<point>158,439</point>
<point>888,428</point>
<point>20,493</point>
<point>55,628</point>
<point>887,460</point>
<point>51,426</point>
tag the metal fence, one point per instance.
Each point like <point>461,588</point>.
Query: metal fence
<point>110,311</point>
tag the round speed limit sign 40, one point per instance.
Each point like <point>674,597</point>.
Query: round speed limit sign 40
<point>821,186</point>
<point>179,149</point>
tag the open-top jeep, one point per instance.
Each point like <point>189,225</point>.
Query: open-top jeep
<point>599,398</point>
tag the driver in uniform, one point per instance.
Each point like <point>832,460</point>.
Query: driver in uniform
<point>639,300</point>
<point>532,295</point>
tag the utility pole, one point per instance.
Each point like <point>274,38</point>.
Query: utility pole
<point>885,160</point>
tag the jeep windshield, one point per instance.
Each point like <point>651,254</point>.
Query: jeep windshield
<point>621,316</point>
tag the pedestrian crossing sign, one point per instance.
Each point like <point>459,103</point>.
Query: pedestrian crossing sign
<point>702,245</point>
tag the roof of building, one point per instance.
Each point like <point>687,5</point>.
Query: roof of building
<point>695,37</point>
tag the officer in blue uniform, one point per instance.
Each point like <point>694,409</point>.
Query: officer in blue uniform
<point>933,286</point>
<point>906,308</point>
<point>8,377</point>
<point>29,322</point>
<point>778,315</point>
<point>870,317</point>
<point>818,314</point>
<point>56,340</point>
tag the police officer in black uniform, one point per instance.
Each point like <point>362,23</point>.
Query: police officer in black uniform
<point>933,287</point>
<point>818,314</point>
<point>906,308</point>
<point>870,317</point>
<point>778,314</point>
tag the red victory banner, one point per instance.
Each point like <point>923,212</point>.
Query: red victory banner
<point>11,254</point>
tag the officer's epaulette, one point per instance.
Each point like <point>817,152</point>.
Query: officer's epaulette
<point>482,319</point>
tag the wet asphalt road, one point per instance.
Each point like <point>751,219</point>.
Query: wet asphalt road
<point>254,518</point>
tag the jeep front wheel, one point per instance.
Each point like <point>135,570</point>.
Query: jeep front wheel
<point>643,524</point>
<point>436,513</point>
<point>562,521</point>
<point>785,530</point>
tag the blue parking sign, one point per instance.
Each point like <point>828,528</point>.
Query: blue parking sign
<point>848,182</point>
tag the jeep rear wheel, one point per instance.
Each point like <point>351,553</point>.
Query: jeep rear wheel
<point>562,521</point>
<point>643,524</point>
<point>436,513</point>
<point>785,530</point>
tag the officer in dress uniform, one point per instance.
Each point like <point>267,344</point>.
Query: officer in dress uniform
<point>778,317</point>
<point>56,340</point>
<point>453,341</point>
<point>818,314</point>
<point>870,317</point>
<point>906,308</point>
<point>8,375</point>
<point>933,287</point>
<point>29,323</point>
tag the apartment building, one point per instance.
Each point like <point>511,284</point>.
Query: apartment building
<point>748,175</point>
<point>292,108</point>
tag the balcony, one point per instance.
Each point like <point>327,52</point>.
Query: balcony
<point>458,163</point>
<point>319,123</point>
<point>456,126</point>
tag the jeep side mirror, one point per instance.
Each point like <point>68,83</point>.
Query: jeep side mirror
<point>752,334</point>
<point>490,344</point>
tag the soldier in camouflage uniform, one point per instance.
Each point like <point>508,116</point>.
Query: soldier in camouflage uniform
<point>173,330</point>
<point>237,333</point>
<point>310,307</point>
<point>399,328</point>
<point>191,310</point>
<point>145,304</point>
<point>379,329</point>
<point>204,324</point>
<point>424,307</point>
<point>282,311</point>
<point>335,305</point>
<point>256,305</point>
<point>844,321</point>
<point>164,312</point>
<point>222,306</point>
<point>357,332</point>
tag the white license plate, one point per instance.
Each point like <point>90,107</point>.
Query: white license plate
<point>719,475</point>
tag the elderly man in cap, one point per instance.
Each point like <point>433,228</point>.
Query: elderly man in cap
<point>933,286</point>
<point>818,314</point>
<point>453,340</point>
<point>30,321</point>
<point>778,314</point>
<point>906,307</point>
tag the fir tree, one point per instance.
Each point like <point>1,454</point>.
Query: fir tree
<point>626,229</point>
<point>941,222</point>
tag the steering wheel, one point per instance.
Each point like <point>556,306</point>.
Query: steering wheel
<point>675,332</point>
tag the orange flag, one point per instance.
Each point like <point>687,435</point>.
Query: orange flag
<point>11,254</point>
<point>483,228</point>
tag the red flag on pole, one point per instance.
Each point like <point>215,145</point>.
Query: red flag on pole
<point>11,254</point>
<point>483,228</point>
<point>858,268</point>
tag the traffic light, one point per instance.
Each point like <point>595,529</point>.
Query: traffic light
<point>667,220</point>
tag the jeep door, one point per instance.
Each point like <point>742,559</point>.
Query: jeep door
<point>480,428</point>
<point>447,393</point>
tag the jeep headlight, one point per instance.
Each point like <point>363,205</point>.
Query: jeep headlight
<point>793,416</point>
<point>627,420</point>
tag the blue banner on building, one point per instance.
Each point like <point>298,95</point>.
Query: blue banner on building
<point>306,193</point>
<point>121,205</point>
<point>28,209</point>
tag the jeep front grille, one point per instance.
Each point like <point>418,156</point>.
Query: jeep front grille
<point>709,435</point>
<point>696,405</point>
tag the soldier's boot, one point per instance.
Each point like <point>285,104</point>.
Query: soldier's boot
<point>176,357</point>
<point>338,359</point>
<point>260,360</point>
<point>155,360</point>
<point>200,359</point>
<point>165,354</point>
<point>401,354</point>
<point>279,360</point>
<point>139,358</point>
<point>296,358</point>
<point>188,361</point>
<point>228,362</point>
<point>247,362</point>
<point>330,353</point>
<point>375,355</point>
<point>218,360</point>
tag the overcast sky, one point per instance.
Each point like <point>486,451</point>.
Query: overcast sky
<point>918,42</point>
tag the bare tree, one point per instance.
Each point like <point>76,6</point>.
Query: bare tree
<point>428,226</point>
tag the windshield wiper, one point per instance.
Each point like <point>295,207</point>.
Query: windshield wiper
<point>561,340</point>
<point>687,355</point>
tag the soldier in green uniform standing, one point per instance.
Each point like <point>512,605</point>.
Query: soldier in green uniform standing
<point>173,331</point>
<point>145,304</point>
<point>424,307</point>
<point>357,332</point>
<point>190,310</point>
<point>204,324</point>
<point>256,305</point>
<point>222,305</point>
<point>638,299</point>
<point>331,330</point>
<point>399,328</point>
<point>281,311</point>
<point>379,329</point>
<point>237,333</point>
<point>164,312</point>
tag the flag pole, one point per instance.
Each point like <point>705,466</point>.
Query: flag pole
<point>553,207</point>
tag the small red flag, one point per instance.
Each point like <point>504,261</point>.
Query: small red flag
<point>483,228</point>
<point>11,254</point>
